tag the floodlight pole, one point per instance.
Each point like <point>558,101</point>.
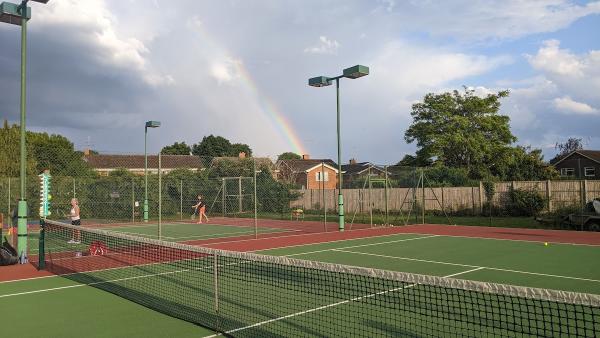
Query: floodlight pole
<point>148,124</point>
<point>22,207</point>
<point>341,222</point>
<point>145,173</point>
<point>322,81</point>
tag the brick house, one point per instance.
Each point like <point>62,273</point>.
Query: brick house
<point>580,164</point>
<point>308,173</point>
<point>104,164</point>
<point>355,172</point>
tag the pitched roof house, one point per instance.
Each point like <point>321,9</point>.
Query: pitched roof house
<point>308,173</point>
<point>355,170</point>
<point>104,164</point>
<point>580,164</point>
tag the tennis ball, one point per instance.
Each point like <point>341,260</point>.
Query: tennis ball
<point>545,243</point>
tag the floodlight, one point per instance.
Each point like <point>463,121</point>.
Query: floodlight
<point>10,13</point>
<point>152,124</point>
<point>319,81</point>
<point>356,72</point>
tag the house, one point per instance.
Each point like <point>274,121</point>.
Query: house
<point>308,173</point>
<point>355,172</point>
<point>104,164</point>
<point>580,164</point>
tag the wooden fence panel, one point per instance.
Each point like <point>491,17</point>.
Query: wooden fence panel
<point>561,194</point>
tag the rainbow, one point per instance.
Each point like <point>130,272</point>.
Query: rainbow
<point>273,114</point>
<point>266,104</point>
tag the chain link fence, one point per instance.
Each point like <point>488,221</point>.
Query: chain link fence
<point>256,191</point>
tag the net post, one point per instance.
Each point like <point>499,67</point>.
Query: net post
<point>216,286</point>
<point>42,246</point>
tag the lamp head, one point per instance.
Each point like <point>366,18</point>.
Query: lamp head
<point>152,124</point>
<point>356,72</point>
<point>319,81</point>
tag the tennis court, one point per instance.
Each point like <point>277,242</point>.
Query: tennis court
<point>260,296</point>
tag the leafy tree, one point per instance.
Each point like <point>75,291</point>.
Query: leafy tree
<point>523,164</point>
<point>289,156</point>
<point>414,161</point>
<point>218,146</point>
<point>461,130</point>
<point>56,152</point>
<point>176,149</point>
<point>569,146</point>
<point>10,151</point>
<point>238,148</point>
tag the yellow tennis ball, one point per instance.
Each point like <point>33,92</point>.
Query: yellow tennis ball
<point>546,244</point>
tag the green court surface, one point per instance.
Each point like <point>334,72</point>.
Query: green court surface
<point>61,307</point>
<point>174,232</point>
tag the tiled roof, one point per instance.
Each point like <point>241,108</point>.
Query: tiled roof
<point>593,155</point>
<point>137,161</point>
<point>358,168</point>
<point>297,166</point>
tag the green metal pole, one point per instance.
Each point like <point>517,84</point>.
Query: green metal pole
<point>159,197</point>
<point>22,211</point>
<point>42,247</point>
<point>339,146</point>
<point>255,201</point>
<point>387,209</point>
<point>145,176</point>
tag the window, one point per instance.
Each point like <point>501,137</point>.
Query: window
<point>567,171</point>
<point>319,176</point>
<point>589,171</point>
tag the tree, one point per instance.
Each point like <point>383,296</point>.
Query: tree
<point>569,146</point>
<point>524,164</point>
<point>57,153</point>
<point>289,156</point>
<point>10,152</point>
<point>176,149</point>
<point>413,161</point>
<point>218,146</point>
<point>238,148</point>
<point>461,130</point>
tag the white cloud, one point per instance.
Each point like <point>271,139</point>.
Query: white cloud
<point>227,70</point>
<point>550,58</point>
<point>494,19</point>
<point>566,104</point>
<point>325,46</point>
<point>95,25</point>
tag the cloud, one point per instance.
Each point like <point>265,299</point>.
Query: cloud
<point>227,70</point>
<point>325,46</point>
<point>550,58</point>
<point>566,104</point>
<point>493,19</point>
<point>94,25</point>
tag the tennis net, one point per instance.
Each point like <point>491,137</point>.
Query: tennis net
<point>251,295</point>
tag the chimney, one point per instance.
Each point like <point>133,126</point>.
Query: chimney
<point>86,152</point>
<point>306,157</point>
<point>242,155</point>
<point>352,161</point>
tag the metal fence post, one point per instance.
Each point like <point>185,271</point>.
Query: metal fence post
<point>181,199</point>
<point>255,202</point>
<point>159,197</point>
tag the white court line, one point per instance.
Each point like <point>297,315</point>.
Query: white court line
<point>330,305</point>
<point>468,265</point>
<point>362,245</point>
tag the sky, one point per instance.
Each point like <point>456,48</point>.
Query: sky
<point>98,69</point>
